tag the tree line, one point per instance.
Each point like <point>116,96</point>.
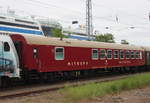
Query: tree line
<point>107,37</point>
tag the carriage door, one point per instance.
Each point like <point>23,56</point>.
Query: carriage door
<point>148,58</point>
<point>18,47</point>
<point>36,58</point>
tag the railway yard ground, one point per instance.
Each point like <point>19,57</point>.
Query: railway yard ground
<point>140,95</point>
<point>133,89</point>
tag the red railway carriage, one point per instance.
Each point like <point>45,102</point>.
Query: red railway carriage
<point>46,54</point>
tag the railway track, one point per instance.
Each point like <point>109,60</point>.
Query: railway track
<point>37,89</point>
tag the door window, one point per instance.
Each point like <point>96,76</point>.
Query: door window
<point>59,53</point>
<point>35,53</point>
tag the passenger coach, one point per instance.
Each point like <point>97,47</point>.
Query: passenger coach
<point>45,54</point>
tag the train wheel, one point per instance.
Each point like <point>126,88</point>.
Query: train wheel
<point>2,82</point>
<point>5,82</point>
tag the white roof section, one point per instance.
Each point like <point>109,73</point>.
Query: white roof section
<point>41,40</point>
<point>146,48</point>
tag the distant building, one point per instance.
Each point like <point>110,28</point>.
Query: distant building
<point>48,25</point>
<point>77,34</point>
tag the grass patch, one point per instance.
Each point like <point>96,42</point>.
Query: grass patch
<point>102,89</point>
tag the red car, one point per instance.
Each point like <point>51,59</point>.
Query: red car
<point>47,54</point>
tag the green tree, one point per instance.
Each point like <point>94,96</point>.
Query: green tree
<point>58,33</point>
<point>124,42</point>
<point>105,38</point>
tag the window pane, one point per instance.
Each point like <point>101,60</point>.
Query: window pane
<point>94,54</point>
<point>6,47</point>
<point>59,54</point>
<point>116,54</point>
<point>132,54</point>
<point>137,54</point>
<point>59,50</point>
<point>109,54</point>
<point>102,54</point>
<point>121,54</point>
<point>127,54</point>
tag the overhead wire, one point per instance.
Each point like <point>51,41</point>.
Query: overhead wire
<point>49,5</point>
<point>54,6</point>
<point>113,20</point>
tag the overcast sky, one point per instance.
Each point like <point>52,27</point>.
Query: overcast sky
<point>131,13</point>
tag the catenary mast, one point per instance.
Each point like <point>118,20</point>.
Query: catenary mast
<point>89,22</point>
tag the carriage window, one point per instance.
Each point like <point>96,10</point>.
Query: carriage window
<point>121,54</point>
<point>116,54</point>
<point>127,54</point>
<point>102,54</point>
<point>137,54</point>
<point>59,53</point>
<point>95,54</point>
<point>132,54</point>
<point>109,54</point>
<point>6,47</point>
